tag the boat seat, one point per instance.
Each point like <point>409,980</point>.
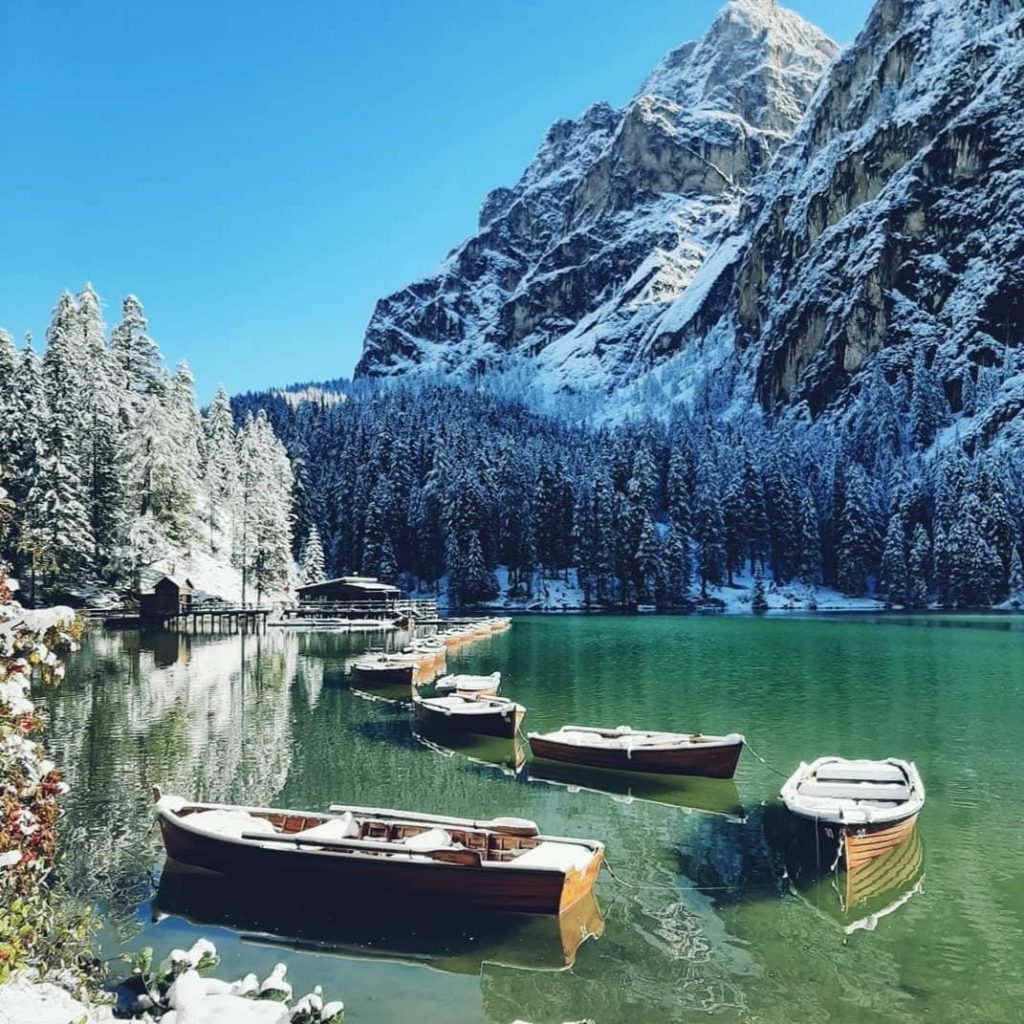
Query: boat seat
<point>855,790</point>
<point>861,771</point>
<point>428,842</point>
<point>229,823</point>
<point>344,827</point>
<point>560,856</point>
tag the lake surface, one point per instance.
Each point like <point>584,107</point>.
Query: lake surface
<point>706,918</point>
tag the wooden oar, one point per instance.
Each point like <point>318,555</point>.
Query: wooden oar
<point>507,826</point>
<point>468,857</point>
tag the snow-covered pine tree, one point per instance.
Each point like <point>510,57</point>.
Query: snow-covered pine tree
<point>479,583</point>
<point>968,393</point>
<point>858,539</point>
<point>387,570</point>
<point>102,444</point>
<point>809,564</point>
<point>8,366</point>
<point>674,581</point>
<point>135,354</point>
<point>892,576</point>
<point>1016,583</point>
<point>648,561</point>
<point>221,470</point>
<point>262,541</point>
<point>708,527</point>
<point>974,565</point>
<point>758,601</point>
<point>56,518</point>
<point>928,407</point>
<point>919,568</point>
<point>313,558</point>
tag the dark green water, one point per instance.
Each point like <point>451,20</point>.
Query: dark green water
<point>703,923</point>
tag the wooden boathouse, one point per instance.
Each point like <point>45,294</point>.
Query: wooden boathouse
<point>168,597</point>
<point>357,597</point>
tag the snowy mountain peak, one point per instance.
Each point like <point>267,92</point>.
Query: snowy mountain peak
<point>758,61</point>
<point>614,215</point>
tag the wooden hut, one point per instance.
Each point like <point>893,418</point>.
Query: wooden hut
<point>168,597</point>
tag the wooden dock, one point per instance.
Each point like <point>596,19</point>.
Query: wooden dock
<point>193,620</point>
<point>218,620</point>
<point>391,610</point>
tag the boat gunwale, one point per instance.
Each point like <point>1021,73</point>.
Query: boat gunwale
<point>679,741</point>
<point>473,706</point>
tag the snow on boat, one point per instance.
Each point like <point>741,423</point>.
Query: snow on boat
<point>633,750</point>
<point>488,716</point>
<point>384,669</point>
<point>861,808</point>
<point>501,864</point>
<point>410,665</point>
<point>470,686</point>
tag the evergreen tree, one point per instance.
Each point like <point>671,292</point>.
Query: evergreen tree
<point>858,541</point>
<point>1016,583</point>
<point>919,568</point>
<point>221,469</point>
<point>974,567</point>
<point>928,408</point>
<point>809,565</point>
<point>758,601</point>
<point>708,528</point>
<point>313,558</point>
<point>892,578</point>
<point>968,394</point>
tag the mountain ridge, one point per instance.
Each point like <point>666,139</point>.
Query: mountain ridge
<point>615,213</point>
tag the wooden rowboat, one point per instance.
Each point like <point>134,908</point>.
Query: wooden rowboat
<point>488,716</point>
<point>861,809</point>
<point>384,669</point>
<point>626,749</point>
<point>372,853</point>
<point>404,667</point>
<point>470,686</point>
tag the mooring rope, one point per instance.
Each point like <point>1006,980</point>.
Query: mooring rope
<point>763,761</point>
<point>670,888</point>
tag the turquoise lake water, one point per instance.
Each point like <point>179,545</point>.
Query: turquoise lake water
<point>706,917</point>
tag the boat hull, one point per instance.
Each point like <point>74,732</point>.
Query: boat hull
<point>718,762</point>
<point>456,943</point>
<point>362,878</point>
<point>501,723</point>
<point>391,675</point>
<point>864,844</point>
<point>851,847</point>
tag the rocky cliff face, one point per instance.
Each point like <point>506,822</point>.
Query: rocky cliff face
<point>893,219</point>
<point>574,267</point>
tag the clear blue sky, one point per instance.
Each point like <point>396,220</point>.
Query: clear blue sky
<point>260,173</point>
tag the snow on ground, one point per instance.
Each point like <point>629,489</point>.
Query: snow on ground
<point>565,595</point>
<point>788,597</point>
<point>26,1000</point>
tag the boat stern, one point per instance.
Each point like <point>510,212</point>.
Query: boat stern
<point>579,882</point>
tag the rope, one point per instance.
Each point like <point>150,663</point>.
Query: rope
<point>767,765</point>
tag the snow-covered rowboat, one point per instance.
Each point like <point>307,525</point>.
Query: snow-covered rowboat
<point>384,669</point>
<point>860,808</point>
<point>372,853</point>
<point>470,686</point>
<point>633,750</point>
<point>488,716</point>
